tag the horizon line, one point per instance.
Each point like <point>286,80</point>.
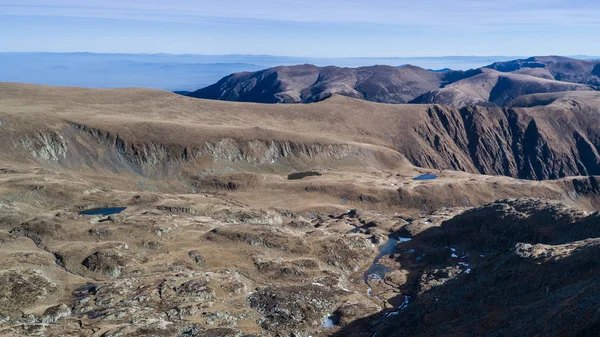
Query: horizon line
<point>293,56</point>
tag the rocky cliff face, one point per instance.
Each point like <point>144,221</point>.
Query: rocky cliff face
<point>530,143</point>
<point>513,142</point>
<point>257,151</point>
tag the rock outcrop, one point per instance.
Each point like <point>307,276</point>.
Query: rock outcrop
<point>513,142</point>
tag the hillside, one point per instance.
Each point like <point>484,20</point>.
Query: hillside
<point>532,272</point>
<point>493,88</point>
<point>493,85</point>
<point>308,83</point>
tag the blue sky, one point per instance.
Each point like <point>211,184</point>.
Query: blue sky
<point>317,28</point>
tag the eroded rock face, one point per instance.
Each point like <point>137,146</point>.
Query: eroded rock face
<point>46,145</point>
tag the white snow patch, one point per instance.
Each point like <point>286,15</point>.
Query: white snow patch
<point>392,313</point>
<point>454,255</point>
<point>404,303</point>
<point>317,284</point>
<point>402,240</point>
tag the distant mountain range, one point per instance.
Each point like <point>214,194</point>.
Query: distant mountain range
<point>497,84</point>
<point>183,72</point>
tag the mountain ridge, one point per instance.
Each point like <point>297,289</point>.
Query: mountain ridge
<point>531,141</point>
<point>505,80</point>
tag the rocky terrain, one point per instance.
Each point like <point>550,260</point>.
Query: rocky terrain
<point>138,212</point>
<point>495,85</point>
<point>518,267</point>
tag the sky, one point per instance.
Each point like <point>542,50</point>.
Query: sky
<point>307,28</point>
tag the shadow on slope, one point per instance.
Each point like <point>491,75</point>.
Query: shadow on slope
<point>528,267</point>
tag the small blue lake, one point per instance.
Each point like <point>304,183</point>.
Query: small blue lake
<point>377,270</point>
<point>103,211</point>
<point>426,176</point>
<point>329,323</point>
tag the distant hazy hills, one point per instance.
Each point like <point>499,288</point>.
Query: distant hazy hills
<point>496,84</point>
<point>167,72</point>
<point>180,72</point>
